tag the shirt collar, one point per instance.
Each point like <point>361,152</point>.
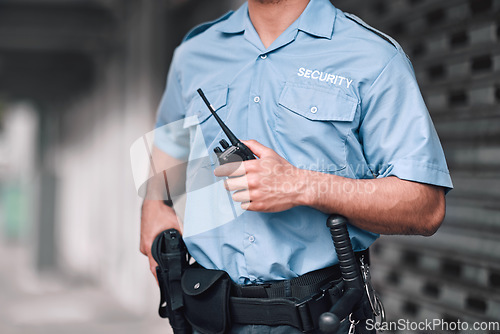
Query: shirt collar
<point>235,23</point>
<point>318,19</point>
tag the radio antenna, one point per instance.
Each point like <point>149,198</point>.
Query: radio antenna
<point>232,138</point>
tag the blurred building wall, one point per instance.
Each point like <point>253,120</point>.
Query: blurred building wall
<point>91,74</point>
<point>454,47</point>
<point>17,168</point>
<point>98,207</point>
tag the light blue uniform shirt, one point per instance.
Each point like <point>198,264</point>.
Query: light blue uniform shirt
<point>330,95</point>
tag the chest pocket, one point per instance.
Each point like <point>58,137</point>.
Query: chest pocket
<point>312,125</point>
<point>198,113</point>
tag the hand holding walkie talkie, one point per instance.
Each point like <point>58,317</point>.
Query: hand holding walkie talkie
<point>235,152</point>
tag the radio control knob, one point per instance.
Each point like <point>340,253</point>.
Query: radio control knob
<point>224,144</point>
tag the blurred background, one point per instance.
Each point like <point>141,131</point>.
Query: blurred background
<point>80,80</point>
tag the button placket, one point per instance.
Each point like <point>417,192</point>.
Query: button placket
<point>256,99</point>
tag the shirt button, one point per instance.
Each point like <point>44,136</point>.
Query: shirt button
<point>263,56</point>
<point>256,99</point>
<point>314,110</point>
<point>251,238</point>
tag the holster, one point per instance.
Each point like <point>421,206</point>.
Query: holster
<point>190,296</point>
<point>170,253</point>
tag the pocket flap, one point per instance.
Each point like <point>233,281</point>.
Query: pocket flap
<point>198,112</point>
<point>196,281</point>
<point>317,104</point>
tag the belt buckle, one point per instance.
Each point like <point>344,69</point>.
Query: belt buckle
<point>245,290</point>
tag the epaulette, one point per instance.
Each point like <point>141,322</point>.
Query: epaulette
<point>204,26</point>
<point>386,37</point>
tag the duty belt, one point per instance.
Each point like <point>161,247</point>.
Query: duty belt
<point>298,302</point>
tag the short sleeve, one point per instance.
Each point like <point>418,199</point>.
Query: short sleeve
<point>170,134</point>
<point>398,136</point>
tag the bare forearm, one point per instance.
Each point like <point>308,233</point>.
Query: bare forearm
<point>155,217</point>
<point>386,206</point>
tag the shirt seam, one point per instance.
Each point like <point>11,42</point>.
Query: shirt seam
<point>379,75</point>
<point>179,82</point>
<point>423,164</point>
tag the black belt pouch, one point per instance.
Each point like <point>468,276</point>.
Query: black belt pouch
<point>206,299</point>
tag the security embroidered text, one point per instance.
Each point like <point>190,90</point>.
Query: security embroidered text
<point>325,77</point>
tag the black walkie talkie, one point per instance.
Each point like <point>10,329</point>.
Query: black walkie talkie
<point>237,151</point>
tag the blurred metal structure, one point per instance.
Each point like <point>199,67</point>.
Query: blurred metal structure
<point>93,73</point>
<point>454,47</point>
